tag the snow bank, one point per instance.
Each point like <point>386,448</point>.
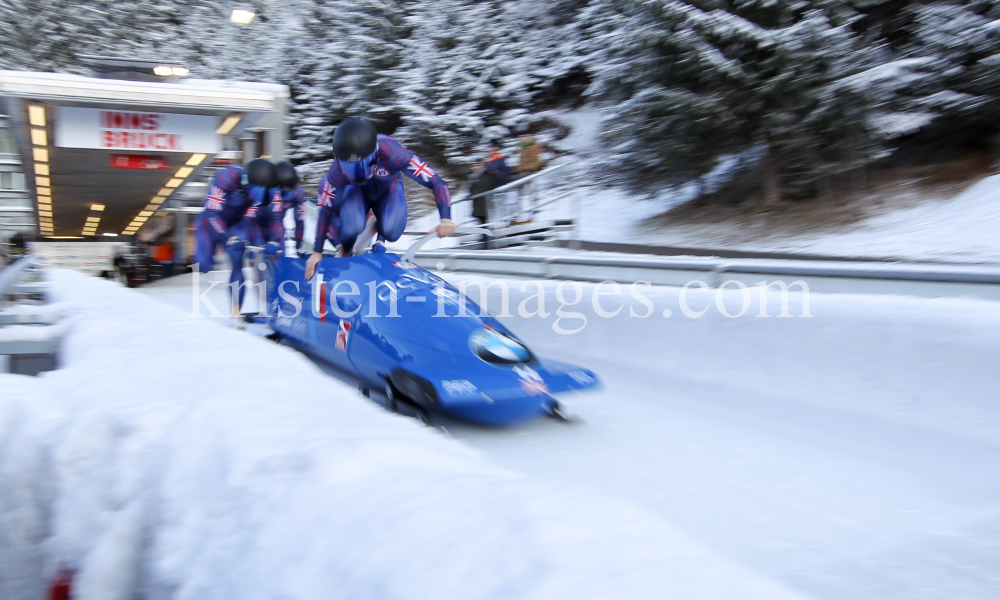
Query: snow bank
<point>961,229</point>
<point>173,458</point>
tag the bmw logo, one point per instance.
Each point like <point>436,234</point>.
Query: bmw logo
<point>498,348</point>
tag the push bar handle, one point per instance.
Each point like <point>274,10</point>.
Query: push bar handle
<point>261,249</point>
<point>417,245</point>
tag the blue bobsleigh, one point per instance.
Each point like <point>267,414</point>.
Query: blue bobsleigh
<point>401,328</point>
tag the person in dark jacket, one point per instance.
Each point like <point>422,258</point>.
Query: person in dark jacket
<point>497,164</point>
<point>483,180</point>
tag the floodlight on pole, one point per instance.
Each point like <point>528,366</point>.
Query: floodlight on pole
<point>243,17</point>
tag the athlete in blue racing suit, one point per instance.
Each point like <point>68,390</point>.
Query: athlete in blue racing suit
<point>266,224</point>
<point>366,175</point>
<point>234,190</point>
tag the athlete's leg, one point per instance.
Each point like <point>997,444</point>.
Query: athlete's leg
<point>205,242</point>
<point>350,219</point>
<point>277,231</point>
<point>259,233</point>
<point>235,251</point>
<point>255,231</point>
<point>391,211</point>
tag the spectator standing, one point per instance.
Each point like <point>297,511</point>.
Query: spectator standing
<point>496,164</point>
<point>483,181</point>
<point>531,162</point>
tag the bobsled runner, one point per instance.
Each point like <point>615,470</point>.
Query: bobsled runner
<point>404,330</point>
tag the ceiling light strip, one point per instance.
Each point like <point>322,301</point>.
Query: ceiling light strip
<point>182,173</point>
<point>40,154</point>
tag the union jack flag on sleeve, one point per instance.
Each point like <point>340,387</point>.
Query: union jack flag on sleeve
<point>215,199</point>
<point>397,157</point>
<point>326,194</point>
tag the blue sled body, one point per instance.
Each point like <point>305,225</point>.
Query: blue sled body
<point>399,327</point>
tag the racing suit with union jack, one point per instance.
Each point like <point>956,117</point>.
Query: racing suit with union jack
<point>344,205</point>
<point>223,217</point>
<point>267,223</point>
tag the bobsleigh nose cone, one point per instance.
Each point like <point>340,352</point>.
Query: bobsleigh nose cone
<point>504,350</point>
<point>498,348</point>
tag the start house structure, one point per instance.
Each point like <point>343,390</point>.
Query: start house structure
<point>92,156</point>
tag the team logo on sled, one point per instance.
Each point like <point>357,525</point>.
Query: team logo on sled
<point>405,264</point>
<point>343,332</point>
<point>499,348</point>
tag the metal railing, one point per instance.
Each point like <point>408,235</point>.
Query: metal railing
<point>932,281</point>
<point>12,272</point>
<point>514,184</point>
<point>31,345</point>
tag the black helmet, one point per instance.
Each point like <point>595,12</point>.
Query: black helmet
<point>286,176</point>
<point>354,140</point>
<point>258,172</point>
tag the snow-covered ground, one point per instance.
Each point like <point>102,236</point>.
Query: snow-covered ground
<point>961,229</point>
<point>958,229</point>
<point>171,457</point>
<point>851,454</point>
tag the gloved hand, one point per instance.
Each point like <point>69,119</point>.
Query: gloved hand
<point>272,248</point>
<point>236,244</point>
<point>257,195</point>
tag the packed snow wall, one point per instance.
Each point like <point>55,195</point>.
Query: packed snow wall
<point>170,457</point>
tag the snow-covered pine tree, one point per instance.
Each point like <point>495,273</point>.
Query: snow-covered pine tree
<point>342,66</point>
<point>314,63</point>
<point>773,81</point>
<point>46,35</point>
<point>373,31</point>
<point>956,46</point>
<point>444,84</point>
<point>471,70</point>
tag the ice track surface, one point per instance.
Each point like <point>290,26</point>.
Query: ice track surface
<point>853,454</point>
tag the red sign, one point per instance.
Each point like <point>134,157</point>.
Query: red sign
<point>138,161</point>
<point>136,139</point>
<point>130,120</point>
<point>156,132</point>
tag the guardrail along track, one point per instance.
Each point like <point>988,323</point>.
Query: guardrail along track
<point>854,277</point>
